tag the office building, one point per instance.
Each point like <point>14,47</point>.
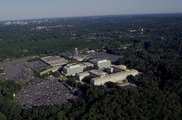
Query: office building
<point>72,69</point>
<point>101,64</point>
<point>115,77</point>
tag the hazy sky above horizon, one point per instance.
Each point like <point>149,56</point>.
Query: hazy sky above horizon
<point>27,9</point>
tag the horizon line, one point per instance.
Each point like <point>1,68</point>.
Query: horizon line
<point>58,17</point>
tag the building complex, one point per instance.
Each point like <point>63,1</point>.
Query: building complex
<point>98,70</point>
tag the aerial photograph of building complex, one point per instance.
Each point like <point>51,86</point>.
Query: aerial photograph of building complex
<point>91,60</point>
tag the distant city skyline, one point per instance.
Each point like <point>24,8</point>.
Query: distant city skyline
<point>32,9</point>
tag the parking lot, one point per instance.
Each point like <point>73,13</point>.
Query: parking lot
<point>47,92</point>
<point>36,64</point>
<point>16,70</point>
<point>102,55</point>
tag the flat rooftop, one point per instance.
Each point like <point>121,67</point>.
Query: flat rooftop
<point>98,73</point>
<point>73,65</point>
<point>88,64</point>
<point>98,60</point>
<point>118,75</point>
<point>54,60</point>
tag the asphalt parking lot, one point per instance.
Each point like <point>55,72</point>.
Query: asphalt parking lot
<point>16,70</point>
<point>47,92</point>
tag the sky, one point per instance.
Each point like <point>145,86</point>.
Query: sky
<point>28,9</point>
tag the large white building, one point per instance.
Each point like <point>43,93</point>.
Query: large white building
<point>101,64</point>
<point>115,77</point>
<point>72,69</point>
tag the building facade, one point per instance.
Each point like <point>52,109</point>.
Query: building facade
<point>72,69</point>
<point>101,64</point>
<point>115,77</point>
<point>81,76</point>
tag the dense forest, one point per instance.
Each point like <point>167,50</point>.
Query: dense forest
<point>154,47</point>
